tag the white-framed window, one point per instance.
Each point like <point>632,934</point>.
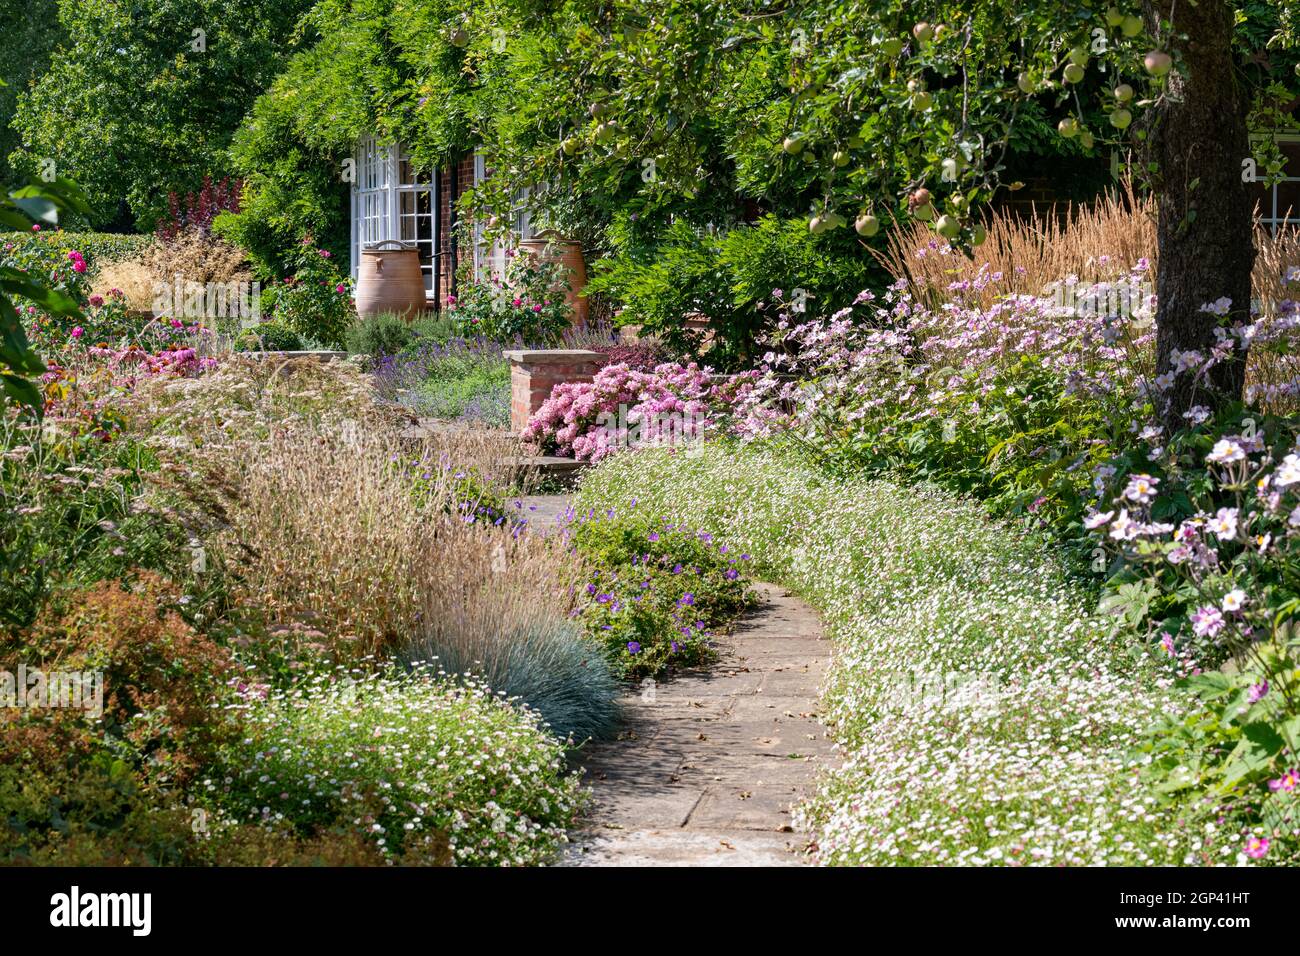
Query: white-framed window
<point>492,261</point>
<point>393,199</point>
<point>1279,205</point>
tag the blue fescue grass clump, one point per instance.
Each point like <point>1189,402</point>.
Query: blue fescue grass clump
<point>551,667</point>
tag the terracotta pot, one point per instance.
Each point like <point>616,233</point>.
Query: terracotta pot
<point>389,280</point>
<point>568,253</point>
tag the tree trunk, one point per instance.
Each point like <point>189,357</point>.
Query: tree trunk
<point>1198,139</point>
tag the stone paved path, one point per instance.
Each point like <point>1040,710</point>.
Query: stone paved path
<point>542,511</point>
<point>709,764</point>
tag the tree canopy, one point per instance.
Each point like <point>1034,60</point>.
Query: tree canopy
<point>142,97</point>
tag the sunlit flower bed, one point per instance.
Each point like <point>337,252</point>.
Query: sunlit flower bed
<point>414,762</point>
<point>985,713</point>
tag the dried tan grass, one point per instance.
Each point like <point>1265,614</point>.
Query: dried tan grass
<point>309,479</point>
<point>325,531</point>
<point>190,255</point>
<point>1094,242</point>
<point>132,277</point>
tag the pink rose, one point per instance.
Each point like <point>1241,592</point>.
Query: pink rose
<point>78,332</point>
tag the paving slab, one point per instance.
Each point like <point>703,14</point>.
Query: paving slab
<point>711,764</point>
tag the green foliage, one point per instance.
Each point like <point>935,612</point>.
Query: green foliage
<point>315,301</point>
<point>67,262</point>
<point>268,337</point>
<point>68,520</point>
<point>31,34</point>
<point>657,591</point>
<point>377,68</point>
<point>47,251</point>
<point>1234,751</point>
<point>439,375</point>
<point>729,279</point>
<point>135,104</point>
<point>843,106</point>
<point>17,360</point>
<point>379,335</point>
<point>526,305</point>
<point>465,390</point>
<point>1022,441</point>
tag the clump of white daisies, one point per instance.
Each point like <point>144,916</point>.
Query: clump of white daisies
<point>414,761</point>
<point>985,713</point>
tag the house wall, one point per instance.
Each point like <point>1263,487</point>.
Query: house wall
<point>464,174</point>
<point>1039,196</point>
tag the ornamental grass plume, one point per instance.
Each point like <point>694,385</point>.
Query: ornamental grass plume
<point>327,531</point>
<point>388,546</point>
<point>330,527</point>
<point>1095,242</point>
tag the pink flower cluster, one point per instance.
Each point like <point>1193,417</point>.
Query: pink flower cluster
<point>898,360</point>
<point>131,364</point>
<point>622,407</point>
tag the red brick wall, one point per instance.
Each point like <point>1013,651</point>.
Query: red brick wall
<point>1037,196</point>
<point>533,375</point>
<point>464,171</point>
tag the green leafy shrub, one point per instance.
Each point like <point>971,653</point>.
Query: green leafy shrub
<point>315,301</point>
<point>134,140</point>
<point>268,337</point>
<point>379,335</point>
<point>408,761</point>
<point>728,279</point>
<point>527,304</point>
